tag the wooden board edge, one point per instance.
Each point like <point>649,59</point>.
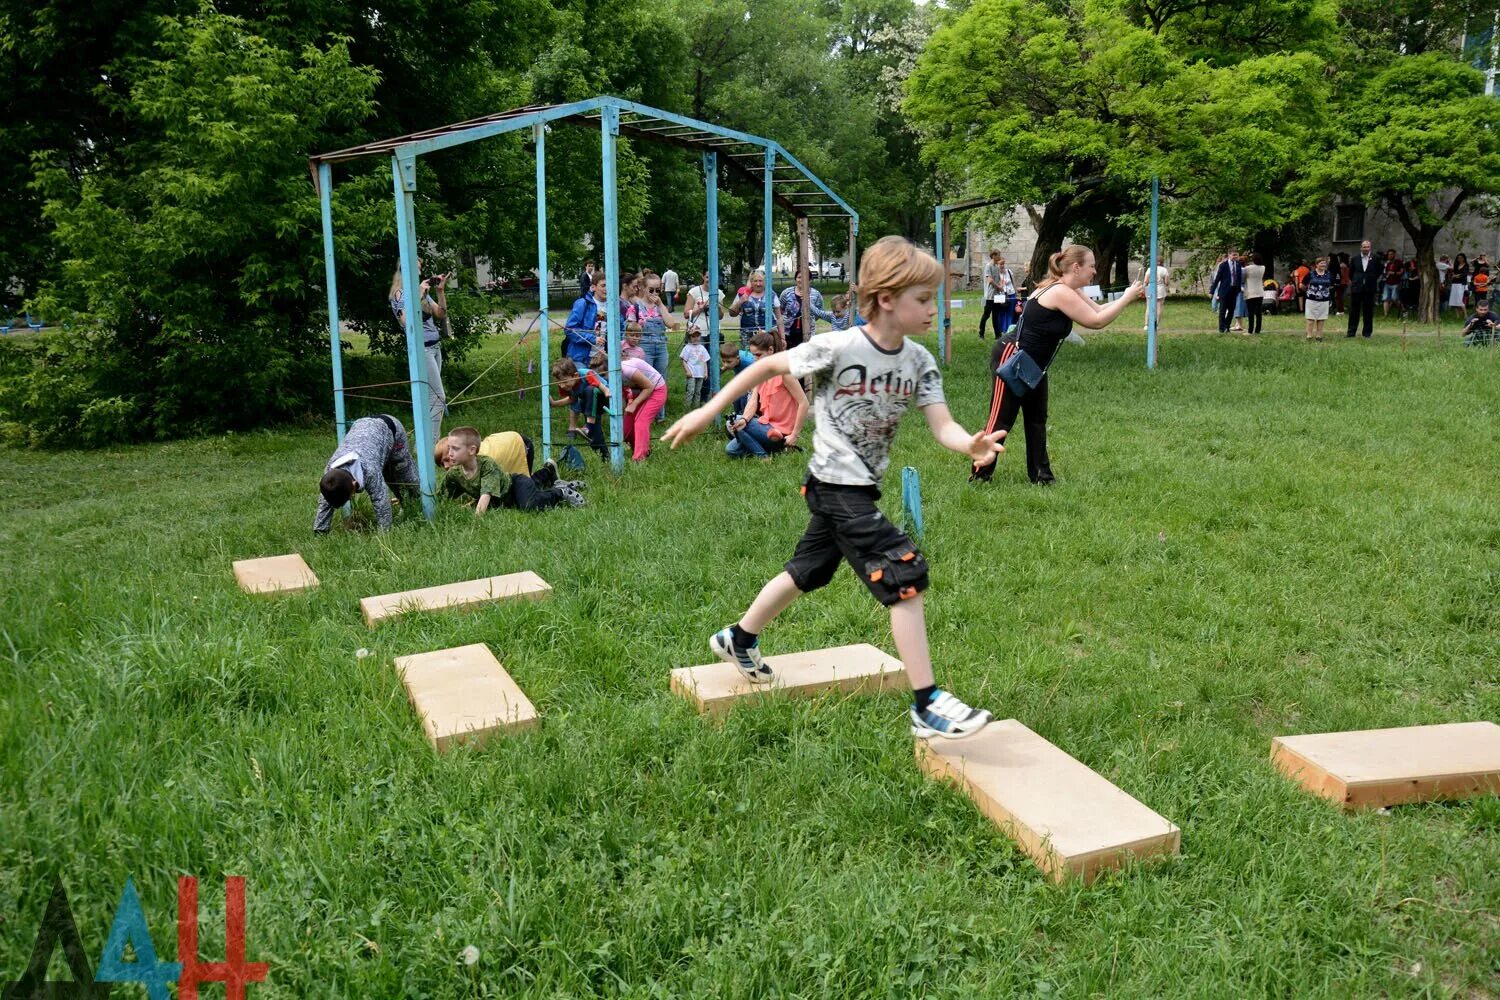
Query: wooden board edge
<point>308,583</point>
<point>480,737</point>
<point>1405,791</point>
<point>1091,864</point>
<point>1056,866</point>
<point>684,688</point>
<point>1309,775</point>
<point>1038,848</point>
<point>376,611</point>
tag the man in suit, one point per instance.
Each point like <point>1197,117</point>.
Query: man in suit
<point>1228,283</point>
<point>586,279</point>
<point>1364,285</point>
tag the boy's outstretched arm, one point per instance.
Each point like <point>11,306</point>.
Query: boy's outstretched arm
<point>981,447</point>
<point>691,425</point>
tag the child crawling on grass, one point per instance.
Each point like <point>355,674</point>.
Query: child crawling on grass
<point>479,478</point>
<point>863,380</point>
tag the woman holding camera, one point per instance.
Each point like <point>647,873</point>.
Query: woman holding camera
<point>1046,322</point>
<point>433,309</point>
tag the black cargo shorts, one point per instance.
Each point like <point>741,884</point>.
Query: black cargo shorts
<point>847,525</point>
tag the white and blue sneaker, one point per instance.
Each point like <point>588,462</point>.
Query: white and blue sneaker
<point>947,717</point>
<point>746,661</point>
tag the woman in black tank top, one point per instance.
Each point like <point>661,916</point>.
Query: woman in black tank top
<point>1047,320</point>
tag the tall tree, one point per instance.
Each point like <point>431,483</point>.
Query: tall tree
<point>1074,108</point>
<point>1422,140</point>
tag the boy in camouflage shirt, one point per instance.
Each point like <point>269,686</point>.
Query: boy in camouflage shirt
<point>480,479</point>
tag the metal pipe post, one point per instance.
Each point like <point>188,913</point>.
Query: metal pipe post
<point>609,131</point>
<point>325,196</point>
<point>769,194</point>
<point>711,193</point>
<point>539,135</point>
<point>1151,279</point>
<point>804,277</point>
<point>404,177</point>
<point>939,244</point>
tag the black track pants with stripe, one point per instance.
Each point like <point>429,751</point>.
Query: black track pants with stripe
<point>1004,406</point>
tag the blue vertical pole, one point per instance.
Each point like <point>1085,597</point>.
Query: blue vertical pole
<point>942,301</point>
<point>852,274</point>
<point>769,183</point>
<point>404,176</point>
<point>711,193</point>
<point>609,129</point>
<point>539,133</point>
<point>1151,280</point>
<point>325,196</point>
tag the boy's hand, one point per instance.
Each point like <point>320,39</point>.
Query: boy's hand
<point>688,427</point>
<point>984,447</point>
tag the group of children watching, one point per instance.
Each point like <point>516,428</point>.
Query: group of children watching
<point>581,374</point>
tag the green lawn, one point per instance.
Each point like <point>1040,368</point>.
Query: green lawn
<point>1261,537</point>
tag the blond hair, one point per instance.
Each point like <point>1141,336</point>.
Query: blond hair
<point>1058,264</point>
<point>893,265</point>
<point>464,436</point>
<point>440,451</point>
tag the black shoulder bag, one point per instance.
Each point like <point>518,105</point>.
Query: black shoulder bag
<point>1020,372</point>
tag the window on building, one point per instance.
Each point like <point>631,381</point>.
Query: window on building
<point>1349,224</point>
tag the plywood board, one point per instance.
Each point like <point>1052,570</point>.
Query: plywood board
<point>716,687</point>
<point>1385,767</point>
<point>1068,818</point>
<point>455,595</point>
<point>464,695</point>
<point>274,574</point>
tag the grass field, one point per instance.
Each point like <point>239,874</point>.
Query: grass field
<point>1261,537</point>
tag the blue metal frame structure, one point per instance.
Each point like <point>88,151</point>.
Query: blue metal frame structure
<point>751,157</point>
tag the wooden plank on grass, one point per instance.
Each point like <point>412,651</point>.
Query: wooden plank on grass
<point>455,595</point>
<point>1385,767</point>
<point>861,668</point>
<point>1068,818</point>
<point>274,574</point>
<point>464,695</point>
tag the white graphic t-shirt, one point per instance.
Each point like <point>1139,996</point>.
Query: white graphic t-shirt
<point>859,395</point>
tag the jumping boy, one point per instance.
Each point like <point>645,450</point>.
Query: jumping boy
<point>373,454</point>
<point>863,381</point>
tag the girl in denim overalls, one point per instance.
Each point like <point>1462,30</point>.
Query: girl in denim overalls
<point>653,317</point>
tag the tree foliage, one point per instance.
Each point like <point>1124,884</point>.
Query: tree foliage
<point>1074,108</point>
<point>1421,141</point>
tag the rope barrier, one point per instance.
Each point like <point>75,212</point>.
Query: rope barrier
<point>378,399</point>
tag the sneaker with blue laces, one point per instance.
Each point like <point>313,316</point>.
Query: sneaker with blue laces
<point>947,717</point>
<point>747,661</point>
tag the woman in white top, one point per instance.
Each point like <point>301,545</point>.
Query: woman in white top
<point>1255,299</point>
<point>1162,275</point>
<point>696,310</point>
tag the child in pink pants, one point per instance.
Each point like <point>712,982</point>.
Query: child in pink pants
<point>647,390</point>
